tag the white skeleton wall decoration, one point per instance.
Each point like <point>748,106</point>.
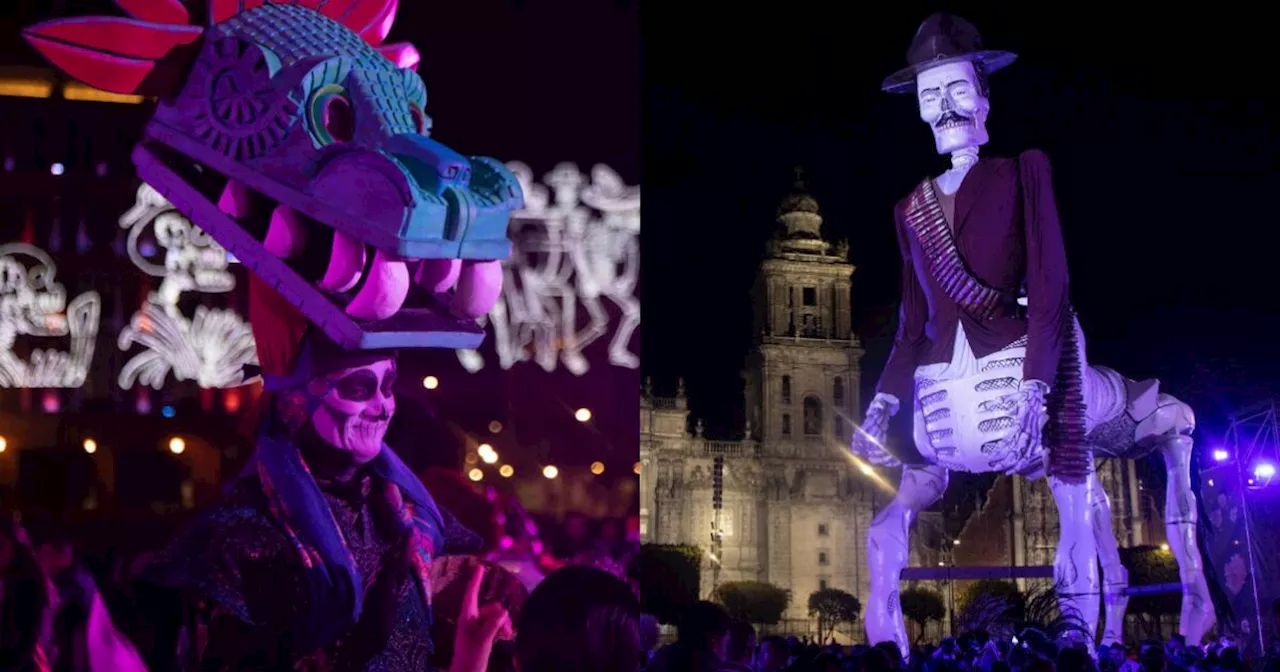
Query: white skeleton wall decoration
<point>576,242</point>
<point>214,345</point>
<point>34,304</point>
<point>993,359</point>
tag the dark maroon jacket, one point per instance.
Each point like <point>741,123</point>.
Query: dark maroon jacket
<point>1007,231</point>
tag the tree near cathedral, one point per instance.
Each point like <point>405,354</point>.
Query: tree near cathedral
<point>753,601</point>
<point>832,607</point>
<point>993,605</point>
<point>1150,565</point>
<point>982,588</point>
<point>921,605</point>
<point>670,575</point>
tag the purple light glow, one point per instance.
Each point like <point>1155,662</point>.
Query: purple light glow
<point>1220,455</point>
<point>1264,471</point>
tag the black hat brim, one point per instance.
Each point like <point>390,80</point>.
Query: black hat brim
<point>904,80</point>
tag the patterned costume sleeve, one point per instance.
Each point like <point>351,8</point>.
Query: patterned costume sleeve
<point>237,562</point>
<point>457,539</point>
<point>899,373</point>
<point>1048,299</point>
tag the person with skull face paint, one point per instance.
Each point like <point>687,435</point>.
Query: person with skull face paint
<point>993,382</point>
<point>318,555</point>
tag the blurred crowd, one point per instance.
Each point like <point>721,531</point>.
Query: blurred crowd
<point>64,607</point>
<point>710,641</point>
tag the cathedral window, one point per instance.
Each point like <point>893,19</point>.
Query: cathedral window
<point>822,584</point>
<point>726,522</point>
<point>786,424</point>
<point>824,558</point>
<point>837,391</point>
<point>810,326</point>
<point>786,389</point>
<point>812,416</point>
<point>823,530</point>
<point>839,426</point>
<point>810,296</point>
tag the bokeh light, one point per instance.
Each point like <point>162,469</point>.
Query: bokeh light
<point>487,453</point>
<point>506,471</point>
<point>90,446</point>
<point>597,468</point>
<point>582,415</point>
<point>495,427</point>
<point>550,471</point>
<point>636,468</point>
<point>475,474</point>
<point>177,445</point>
<point>431,382</point>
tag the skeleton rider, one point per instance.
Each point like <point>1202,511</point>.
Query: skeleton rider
<point>995,387</point>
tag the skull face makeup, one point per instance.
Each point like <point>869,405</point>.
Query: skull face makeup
<point>953,103</point>
<point>356,408</point>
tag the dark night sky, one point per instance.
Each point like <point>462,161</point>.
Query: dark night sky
<point>1158,127</point>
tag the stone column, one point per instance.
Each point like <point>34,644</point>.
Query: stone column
<point>1133,508</point>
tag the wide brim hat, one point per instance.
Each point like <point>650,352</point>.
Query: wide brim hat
<point>942,39</point>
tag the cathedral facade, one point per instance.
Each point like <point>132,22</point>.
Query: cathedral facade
<point>793,507</point>
<point>788,504</point>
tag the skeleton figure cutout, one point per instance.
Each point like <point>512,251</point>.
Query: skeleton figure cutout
<point>995,387</point>
<point>214,346</point>
<point>576,243</point>
<point>34,304</point>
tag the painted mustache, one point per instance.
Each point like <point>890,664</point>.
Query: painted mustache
<point>952,119</point>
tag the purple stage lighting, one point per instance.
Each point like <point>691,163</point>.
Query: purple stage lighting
<point>1220,455</point>
<point>1264,471</point>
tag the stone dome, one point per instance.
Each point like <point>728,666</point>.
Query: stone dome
<point>799,212</point>
<point>799,200</point>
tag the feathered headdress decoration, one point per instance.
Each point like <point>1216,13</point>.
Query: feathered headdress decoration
<point>150,53</point>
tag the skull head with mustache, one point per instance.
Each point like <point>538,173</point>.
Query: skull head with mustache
<point>355,409</point>
<point>953,101</point>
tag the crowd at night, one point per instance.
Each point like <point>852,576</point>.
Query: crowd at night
<point>320,338</point>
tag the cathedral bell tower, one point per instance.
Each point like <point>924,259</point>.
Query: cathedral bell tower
<point>802,379</point>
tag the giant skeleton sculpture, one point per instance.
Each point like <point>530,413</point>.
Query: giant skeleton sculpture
<point>990,355</point>
<point>294,137</point>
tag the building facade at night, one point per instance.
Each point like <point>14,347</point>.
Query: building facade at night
<point>795,507</point>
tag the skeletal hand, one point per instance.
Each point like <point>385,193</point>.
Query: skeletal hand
<point>868,440</point>
<point>1025,446</point>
